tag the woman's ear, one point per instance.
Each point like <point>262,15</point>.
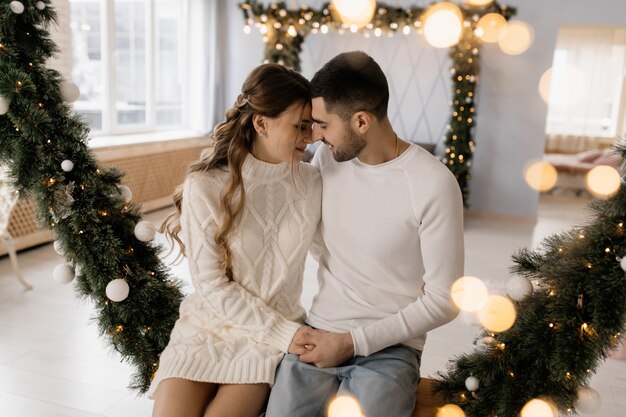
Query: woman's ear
<point>260,124</point>
<point>361,121</point>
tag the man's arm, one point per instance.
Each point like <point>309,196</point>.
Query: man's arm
<point>442,252</point>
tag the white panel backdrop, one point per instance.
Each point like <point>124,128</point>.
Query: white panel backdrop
<point>418,76</point>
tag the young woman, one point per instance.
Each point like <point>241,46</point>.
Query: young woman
<point>247,211</point>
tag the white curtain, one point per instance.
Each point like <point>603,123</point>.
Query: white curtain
<point>205,64</point>
<point>586,98</point>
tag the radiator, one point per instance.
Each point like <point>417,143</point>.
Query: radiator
<point>152,171</point>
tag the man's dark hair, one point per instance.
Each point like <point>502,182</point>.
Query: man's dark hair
<point>352,82</point>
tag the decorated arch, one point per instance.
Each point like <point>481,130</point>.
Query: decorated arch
<point>284,31</point>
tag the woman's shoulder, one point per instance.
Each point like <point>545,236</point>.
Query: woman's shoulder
<point>205,184</point>
<point>309,171</point>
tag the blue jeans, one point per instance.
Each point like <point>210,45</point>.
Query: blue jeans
<point>384,384</point>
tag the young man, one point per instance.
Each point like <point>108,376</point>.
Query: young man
<point>392,245</point>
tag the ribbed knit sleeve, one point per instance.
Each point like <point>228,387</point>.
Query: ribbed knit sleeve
<point>232,304</point>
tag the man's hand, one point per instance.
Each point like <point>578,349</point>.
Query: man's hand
<point>329,349</point>
<point>301,344</point>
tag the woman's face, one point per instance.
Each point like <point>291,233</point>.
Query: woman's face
<point>287,135</point>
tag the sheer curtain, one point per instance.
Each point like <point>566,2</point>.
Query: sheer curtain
<point>586,97</point>
<point>204,36</point>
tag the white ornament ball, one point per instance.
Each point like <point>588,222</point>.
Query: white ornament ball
<point>57,247</point>
<point>4,105</point>
<point>17,7</point>
<point>145,231</point>
<point>40,5</point>
<point>485,342</point>
<point>63,274</point>
<point>622,263</point>
<point>519,288</point>
<point>70,92</point>
<point>67,165</point>
<point>588,400</point>
<point>125,192</point>
<point>472,383</point>
<point>117,290</point>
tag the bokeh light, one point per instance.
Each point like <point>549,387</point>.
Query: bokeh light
<point>516,38</point>
<point>450,410</point>
<point>540,176</point>
<point>562,87</point>
<point>498,314</point>
<point>603,181</point>
<point>344,406</point>
<point>355,12</point>
<point>443,24</point>
<point>491,27</point>
<point>469,293</point>
<point>538,408</point>
<point>477,3</point>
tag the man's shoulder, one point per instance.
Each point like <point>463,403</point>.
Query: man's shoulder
<point>425,166</point>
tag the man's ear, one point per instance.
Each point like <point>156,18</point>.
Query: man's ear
<point>361,121</point>
<point>260,124</point>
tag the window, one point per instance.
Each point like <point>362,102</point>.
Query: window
<point>128,63</point>
<point>587,97</point>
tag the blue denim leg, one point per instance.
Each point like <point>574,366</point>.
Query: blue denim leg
<point>384,383</point>
<point>301,389</point>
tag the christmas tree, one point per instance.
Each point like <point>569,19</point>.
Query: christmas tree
<point>564,328</point>
<point>96,227</point>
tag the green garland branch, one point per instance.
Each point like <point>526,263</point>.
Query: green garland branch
<point>284,31</point>
<point>564,329</point>
<point>44,145</point>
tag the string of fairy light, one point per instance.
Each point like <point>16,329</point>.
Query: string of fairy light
<point>465,29</point>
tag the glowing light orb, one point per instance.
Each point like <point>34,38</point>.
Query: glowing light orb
<point>603,181</point>
<point>562,86</point>
<point>516,38</point>
<point>588,400</point>
<point>355,12</point>
<point>443,24</point>
<point>469,293</point>
<point>491,27</point>
<point>498,314</point>
<point>538,408</point>
<point>344,406</point>
<point>477,3</point>
<point>540,176</point>
<point>450,410</point>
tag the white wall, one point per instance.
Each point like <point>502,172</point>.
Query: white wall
<point>511,115</point>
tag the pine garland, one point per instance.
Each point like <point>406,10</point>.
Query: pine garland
<point>564,330</point>
<point>284,31</point>
<point>83,207</point>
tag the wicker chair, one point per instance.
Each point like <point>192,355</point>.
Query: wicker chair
<point>8,199</point>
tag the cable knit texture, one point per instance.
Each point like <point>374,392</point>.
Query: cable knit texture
<point>237,331</point>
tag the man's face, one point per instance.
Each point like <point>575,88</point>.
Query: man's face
<point>330,128</point>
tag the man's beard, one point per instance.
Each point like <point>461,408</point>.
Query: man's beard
<point>352,146</point>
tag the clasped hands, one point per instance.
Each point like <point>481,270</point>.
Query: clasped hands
<point>321,348</point>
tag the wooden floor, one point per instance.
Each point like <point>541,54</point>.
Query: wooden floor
<point>53,364</point>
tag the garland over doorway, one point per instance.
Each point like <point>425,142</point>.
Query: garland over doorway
<point>284,31</point>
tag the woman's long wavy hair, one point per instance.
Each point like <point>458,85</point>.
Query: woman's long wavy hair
<point>268,91</point>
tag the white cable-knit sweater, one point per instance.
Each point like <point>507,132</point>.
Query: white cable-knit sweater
<point>238,331</point>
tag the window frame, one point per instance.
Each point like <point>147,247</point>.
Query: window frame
<point>110,124</point>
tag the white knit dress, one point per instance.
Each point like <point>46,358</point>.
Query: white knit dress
<point>237,332</point>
